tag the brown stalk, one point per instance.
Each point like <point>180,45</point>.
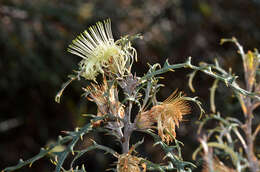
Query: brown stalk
<point>129,87</point>
<point>249,74</point>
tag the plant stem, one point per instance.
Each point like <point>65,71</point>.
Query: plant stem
<point>128,129</point>
<point>253,164</point>
<point>126,141</point>
<point>221,75</point>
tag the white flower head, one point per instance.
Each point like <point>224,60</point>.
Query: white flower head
<point>100,52</point>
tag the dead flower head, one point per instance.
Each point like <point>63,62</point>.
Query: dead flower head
<point>107,100</point>
<point>167,115</point>
<point>130,163</point>
<point>145,120</point>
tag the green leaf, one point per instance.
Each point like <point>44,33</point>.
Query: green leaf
<point>92,147</point>
<point>64,85</point>
<point>74,136</point>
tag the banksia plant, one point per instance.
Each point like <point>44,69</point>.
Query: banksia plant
<point>103,57</point>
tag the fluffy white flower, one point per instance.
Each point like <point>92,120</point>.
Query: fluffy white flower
<point>100,53</point>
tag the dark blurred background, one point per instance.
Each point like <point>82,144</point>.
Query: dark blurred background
<point>34,36</point>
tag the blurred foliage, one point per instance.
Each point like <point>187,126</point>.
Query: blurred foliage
<point>33,60</point>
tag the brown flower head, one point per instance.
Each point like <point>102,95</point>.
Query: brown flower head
<point>167,115</point>
<point>130,163</point>
<point>145,120</point>
<point>107,101</point>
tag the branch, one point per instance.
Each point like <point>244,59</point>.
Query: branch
<point>220,74</point>
<point>72,137</point>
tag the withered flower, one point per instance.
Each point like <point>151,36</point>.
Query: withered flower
<point>145,120</point>
<point>167,115</point>
<point>129,163</point>
<point>107,101</point>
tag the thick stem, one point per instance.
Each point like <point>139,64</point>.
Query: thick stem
<point>128,129</point>
<point>252,160</point>
<point>126,141</point>
<point>253,164</point>
<point>129,85</point>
